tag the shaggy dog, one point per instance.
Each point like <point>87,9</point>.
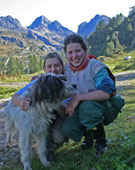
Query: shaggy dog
<point>46,95</point>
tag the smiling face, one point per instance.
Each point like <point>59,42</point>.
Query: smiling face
<point>53,65</point>
<point>75,53</point>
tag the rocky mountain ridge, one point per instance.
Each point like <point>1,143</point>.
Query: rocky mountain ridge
<point>40,37</point>
<point>86,28</point>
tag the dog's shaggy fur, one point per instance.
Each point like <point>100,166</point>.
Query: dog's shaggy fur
<point>46,96</point>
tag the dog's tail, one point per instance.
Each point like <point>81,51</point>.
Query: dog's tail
<point>5,110</point>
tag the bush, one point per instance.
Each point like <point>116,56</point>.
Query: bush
<point>7,91</point>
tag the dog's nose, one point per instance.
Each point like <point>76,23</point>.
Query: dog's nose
<point>75,86</point>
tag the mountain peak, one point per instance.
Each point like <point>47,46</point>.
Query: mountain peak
<point>43,19</point>
<point>86,28</point>
<point>11,23</point>
<point>56,27</point>
<point>55,24</point>
<point>40,22</point>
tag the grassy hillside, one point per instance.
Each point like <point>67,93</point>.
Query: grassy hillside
<point>118,64</point>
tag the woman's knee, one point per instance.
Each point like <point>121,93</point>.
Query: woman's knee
<point>91,113</point>
<point>72,128</point>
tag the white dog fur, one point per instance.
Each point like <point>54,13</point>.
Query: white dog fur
<point>46,95</point>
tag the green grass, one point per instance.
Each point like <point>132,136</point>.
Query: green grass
<point>19,78</point>
<point>118,64</point>
<point>121,144</point>
<point>6,92</point>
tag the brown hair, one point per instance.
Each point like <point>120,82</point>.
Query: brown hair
<point>75,38</point>
<point>54,55</point>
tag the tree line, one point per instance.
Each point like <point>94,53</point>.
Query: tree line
<point>18,66</point>
<point>114,38</point>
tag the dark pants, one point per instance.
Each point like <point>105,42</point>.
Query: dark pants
<point>88,114</point>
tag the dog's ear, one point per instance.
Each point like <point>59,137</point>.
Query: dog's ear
<point>47,87</point>
<point>40,90</point>
<point>55,85</point>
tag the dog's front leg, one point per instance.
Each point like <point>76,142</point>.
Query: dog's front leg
<point>41,148</point>
<point>25,148</point>
<point>9,133</point>
<point>8,139</point>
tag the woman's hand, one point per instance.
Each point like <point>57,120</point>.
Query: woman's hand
<point>70,108</point>
<point>24,104</point>
<point>96,95</point>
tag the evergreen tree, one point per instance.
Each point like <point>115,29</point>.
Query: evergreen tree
<point>109,49</point>
<point>33,64</point>
<point>2,67</point>
<point>129,27</point>
<point>19,66</point>
<point>100,25</point>
<point>11,67</point>
<point>120,30</point>
<point>40,63</point>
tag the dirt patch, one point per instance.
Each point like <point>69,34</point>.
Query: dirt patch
<point>122,79</point>
<point>4,102</point>
<point>8,154</point>
<point>125,76</point>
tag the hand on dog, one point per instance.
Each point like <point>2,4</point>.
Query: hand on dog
<point>70,108</point>
<point>25,104</point>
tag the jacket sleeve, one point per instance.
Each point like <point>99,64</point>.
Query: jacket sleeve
<point>104,82</point>
<point>24,89</point>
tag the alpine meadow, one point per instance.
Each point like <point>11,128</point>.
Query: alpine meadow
<point>22,53</point>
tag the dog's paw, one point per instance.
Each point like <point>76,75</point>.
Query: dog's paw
<point>27,167</point>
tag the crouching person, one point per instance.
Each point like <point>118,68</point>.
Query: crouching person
<point>95,103</point>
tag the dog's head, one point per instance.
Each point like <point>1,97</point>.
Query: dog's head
<point>51,88</point>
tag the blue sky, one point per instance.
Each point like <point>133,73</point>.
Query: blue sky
<point>70,13</point>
